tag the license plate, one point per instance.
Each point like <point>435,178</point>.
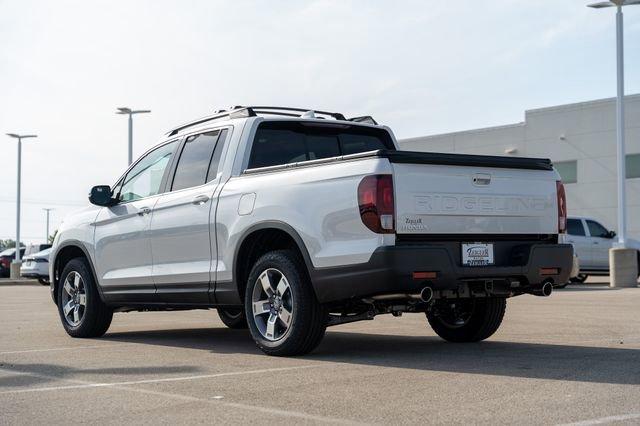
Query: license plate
<point>477,254</point>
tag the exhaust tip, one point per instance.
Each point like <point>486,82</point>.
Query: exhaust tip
<point>547,288</point>
<point>426,294</point>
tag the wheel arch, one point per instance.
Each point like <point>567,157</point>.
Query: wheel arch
<point>68,250</point>
<point>261,238</point>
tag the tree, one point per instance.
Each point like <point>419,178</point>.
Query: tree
<point>8,243</point>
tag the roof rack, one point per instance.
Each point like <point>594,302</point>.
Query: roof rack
<point>239,111</point>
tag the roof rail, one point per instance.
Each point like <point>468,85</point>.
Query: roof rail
<point>252,111</point>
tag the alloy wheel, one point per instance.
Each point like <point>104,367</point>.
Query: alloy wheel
<point>272,304</point>
<point>74,299</point>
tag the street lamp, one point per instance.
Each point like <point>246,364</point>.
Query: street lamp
<point>130,112</point>
<point>622,214</point>
<point>19,137</point>
<point>46,240</point>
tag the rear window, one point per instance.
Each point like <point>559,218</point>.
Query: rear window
<point>281,142</point>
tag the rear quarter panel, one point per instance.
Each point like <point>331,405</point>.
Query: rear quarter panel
<point>319,202</point>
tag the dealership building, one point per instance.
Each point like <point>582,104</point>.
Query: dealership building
<point>579,138</point>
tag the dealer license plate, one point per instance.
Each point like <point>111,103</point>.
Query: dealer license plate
<point>477,254</point>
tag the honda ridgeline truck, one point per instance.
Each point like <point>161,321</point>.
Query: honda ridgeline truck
<point>290,220</point>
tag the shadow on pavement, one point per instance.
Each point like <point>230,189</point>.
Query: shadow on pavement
<point>32,374</point>
<point>509,359</point>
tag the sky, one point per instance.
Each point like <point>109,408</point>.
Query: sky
<point>422,67</point>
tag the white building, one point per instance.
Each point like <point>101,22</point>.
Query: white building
<point>581,141</point>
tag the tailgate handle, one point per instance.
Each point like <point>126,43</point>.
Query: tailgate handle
<point>481,179</point>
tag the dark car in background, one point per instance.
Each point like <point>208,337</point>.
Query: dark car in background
<point>6,257</point>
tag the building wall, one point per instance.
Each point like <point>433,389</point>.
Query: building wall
<point>584,132</point>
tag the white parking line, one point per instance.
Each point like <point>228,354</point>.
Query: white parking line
<point>604,420</point>
<point>68,348</point>
<point>140,382</point>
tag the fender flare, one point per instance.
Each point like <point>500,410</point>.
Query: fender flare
<point>78,244</point>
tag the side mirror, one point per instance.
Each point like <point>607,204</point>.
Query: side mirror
<point>101,196</point>
<point>611,234</point>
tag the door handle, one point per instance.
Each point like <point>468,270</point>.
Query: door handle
<point>200,199</point>
<point>595,242</point>
<point>143,211</point>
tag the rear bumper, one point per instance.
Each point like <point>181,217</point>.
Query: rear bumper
<point>390,269</point>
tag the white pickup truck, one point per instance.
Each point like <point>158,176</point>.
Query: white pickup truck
<point>291,220</point>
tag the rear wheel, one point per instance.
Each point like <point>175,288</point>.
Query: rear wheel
<point>283,313</point>
<point>467,320</point>
<point>82,312</point>
<point>233,317</point>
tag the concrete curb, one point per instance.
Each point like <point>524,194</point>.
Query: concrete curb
<point>9,281</point>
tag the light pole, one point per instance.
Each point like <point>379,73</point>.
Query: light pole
<point>46,240</point>
<point>19,137</point>
<point>130,112</point>
<point>622,213</point>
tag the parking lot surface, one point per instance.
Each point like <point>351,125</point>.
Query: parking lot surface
<point>572,357</point>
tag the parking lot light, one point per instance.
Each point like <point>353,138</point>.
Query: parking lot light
<point>19,137</point>
<point>622,216</point>
<point>130,112</point>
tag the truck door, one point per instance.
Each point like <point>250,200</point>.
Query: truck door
<point>601,242</point>
<point>180,226</point>
<point>577,236</point>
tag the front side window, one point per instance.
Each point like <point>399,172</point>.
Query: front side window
<point>574,227</point>
<point>282,142</point>
<point>194,161</point>
<point>597,230</point>
<point>144,179</point>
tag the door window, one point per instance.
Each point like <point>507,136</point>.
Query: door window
<point>597,230</point>
<point>574,227</point>
<point>214,166</point>
<point>194,161</point>
<point>145,178</point>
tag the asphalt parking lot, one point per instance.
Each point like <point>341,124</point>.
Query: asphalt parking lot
<point>573,357</point>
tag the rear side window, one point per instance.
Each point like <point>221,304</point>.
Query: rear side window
<point>282,142</point>
<point>194,161</point>
<point>574,227</point>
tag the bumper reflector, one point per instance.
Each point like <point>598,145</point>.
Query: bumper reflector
<point>424,275</point>
<point>549,271</point>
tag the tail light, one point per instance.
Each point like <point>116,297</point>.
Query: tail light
<point>562,207</point>
<point>375,198</point>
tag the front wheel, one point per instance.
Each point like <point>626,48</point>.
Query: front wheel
<point>282,311</point>
<point>580,278</point>
<point>82,312</point>
<point>467,320</point>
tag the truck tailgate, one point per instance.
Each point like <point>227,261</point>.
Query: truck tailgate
<point>449,197</point>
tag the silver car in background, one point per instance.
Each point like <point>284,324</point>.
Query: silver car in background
<point>36,266</point>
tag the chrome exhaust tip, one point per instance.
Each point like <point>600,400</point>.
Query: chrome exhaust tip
<point>426,294</point>
<point>547,289</point>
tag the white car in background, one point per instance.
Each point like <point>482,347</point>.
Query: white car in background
<point>36,266</point>
<point>591,242</point>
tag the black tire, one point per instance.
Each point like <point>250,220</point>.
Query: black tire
<point>96,316</point>
<point>483,318</point>
<point>308,320</point>
<point>233,318</point>
<point>43,281</point>
<point>580,278</point>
